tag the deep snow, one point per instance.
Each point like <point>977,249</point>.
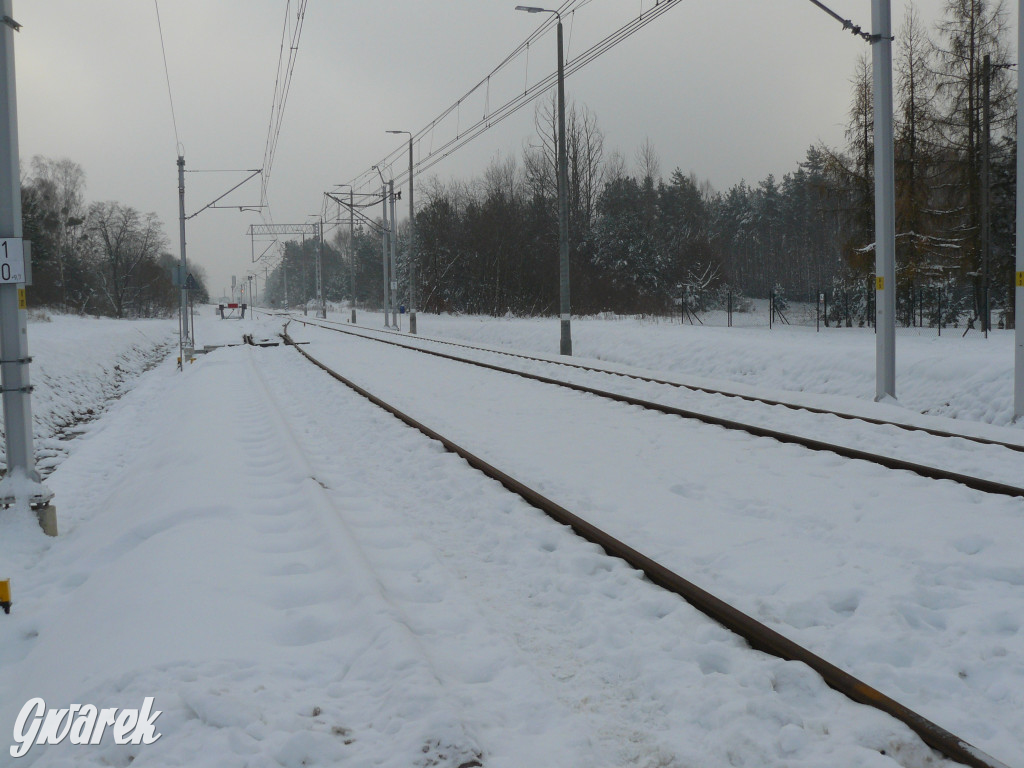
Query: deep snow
<point>300,580</point>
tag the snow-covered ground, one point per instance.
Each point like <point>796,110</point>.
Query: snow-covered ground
<point>79,365</point>
<point>298,579</point>
<point>967,378</point>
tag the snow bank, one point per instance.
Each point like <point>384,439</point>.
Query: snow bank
<point>79,364</point>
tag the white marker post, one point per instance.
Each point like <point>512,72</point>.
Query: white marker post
<point>21,486</point>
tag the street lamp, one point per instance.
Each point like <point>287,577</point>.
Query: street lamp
<point>565,346</point>
<point>412,245</point>
<point>384,236</point>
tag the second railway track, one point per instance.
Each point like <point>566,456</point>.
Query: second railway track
<point>987,485</point>
<point>756,633</point>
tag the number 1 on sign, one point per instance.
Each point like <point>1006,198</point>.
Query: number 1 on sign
<point>12,260</point>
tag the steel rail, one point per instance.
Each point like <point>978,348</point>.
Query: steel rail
<point>758,635</point>
<point>890,462</point>
<point>1018,447</point>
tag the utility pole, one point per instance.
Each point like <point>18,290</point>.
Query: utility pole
<point>284,274</point>
<point>1018,295</point>
<point>352,248</point>
<point>384,243</point>
<point>885,202</point>
<point>565,345</point>
<point>986,243</point>
<point>412,250</point>
<point>302,262</point>
<point>321,303</point>
<point>184,337</point>
<point>21,486</point>
<point>393,238</point>
<point>411,261</point>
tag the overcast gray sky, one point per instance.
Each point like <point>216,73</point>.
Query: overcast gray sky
<point>729,89</point>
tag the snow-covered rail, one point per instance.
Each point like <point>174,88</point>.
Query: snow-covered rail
<point>566,363</point>
<point>976,482</point>
<point>759,635</point>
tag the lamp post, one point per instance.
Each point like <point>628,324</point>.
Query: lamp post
<point>565,346</point>
<point>412,244</point>
<point>384,233</point>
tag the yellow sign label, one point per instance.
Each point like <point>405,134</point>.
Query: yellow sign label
<point>5,591</point>
<point>879,283</point>
<point>1020,279</point>
<point>22,304</point>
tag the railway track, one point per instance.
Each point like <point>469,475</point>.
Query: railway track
<point>757,634</point>
<point>336,325</point>
<point>891,462</point>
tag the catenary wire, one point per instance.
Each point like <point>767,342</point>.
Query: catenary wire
<point>512,106</point>
<point>167,76</point>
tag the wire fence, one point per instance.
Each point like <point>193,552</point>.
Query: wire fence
<point>928,309</point>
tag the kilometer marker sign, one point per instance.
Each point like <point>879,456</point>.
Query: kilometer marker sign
<point>12,260</point>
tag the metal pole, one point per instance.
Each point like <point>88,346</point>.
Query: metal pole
<point>284,274</point>
<point>1018,295</point>
<point>394,257</point>
<point>352,248</point>
<point>321,300</point>
<point>412,249</point>
<point>21,485</point>
<point>885,202</point>
<point>986,119</point>
<point>563,209</point>
<point>302,261</point>
<point>184,338</point>
<point>384,245</point>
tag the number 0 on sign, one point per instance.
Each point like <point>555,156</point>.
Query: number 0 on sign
<point>12,260</point>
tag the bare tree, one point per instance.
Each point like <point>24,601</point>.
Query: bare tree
<point>584,147</point>
<point>648,162</point>
<point>122,242</point>
<point>60,185</point>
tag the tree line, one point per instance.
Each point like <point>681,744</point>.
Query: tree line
<point>644,242</point>
<point>101,258</point>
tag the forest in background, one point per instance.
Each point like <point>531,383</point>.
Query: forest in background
<point>640,241</point>
<point>644,242</point>
<point>101,258</point>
